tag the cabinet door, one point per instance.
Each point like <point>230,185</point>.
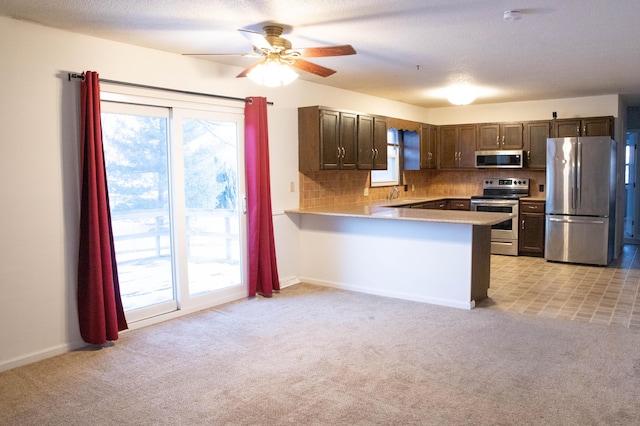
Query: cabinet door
<point>429,205</point>
<point>432,155</point>
<point>428,144</point>
<point>380,143</point>
<point>511,136</point>
<point>366,151</point>
<point>330,151</point>
<point>456,204</point>
<point>448,152</point>
<point>348,140</point>
<point>535,143</point>
<point>566,128</point>
<point>467,137</point>
<point>599,126</point>
<point>532,228</point>
<point>488,137</point>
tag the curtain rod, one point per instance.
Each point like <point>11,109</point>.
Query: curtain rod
<point>73,75</point>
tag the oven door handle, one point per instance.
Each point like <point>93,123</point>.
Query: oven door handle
<point>494,202</point>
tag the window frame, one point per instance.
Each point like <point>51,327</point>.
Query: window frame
<point>394,145</point>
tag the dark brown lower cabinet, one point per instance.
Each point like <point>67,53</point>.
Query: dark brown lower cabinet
<point>532,224</point>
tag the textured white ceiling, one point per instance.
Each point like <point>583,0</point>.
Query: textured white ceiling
<point>406,49</point>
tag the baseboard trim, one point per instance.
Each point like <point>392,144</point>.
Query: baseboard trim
<point>433,301</point>
<point>41,355</point>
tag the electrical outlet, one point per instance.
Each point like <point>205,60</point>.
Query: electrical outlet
<point>366,191</point>
<point>292,186</point>
<point>541,188</point>
<point>413,187</point>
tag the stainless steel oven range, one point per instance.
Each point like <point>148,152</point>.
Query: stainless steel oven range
<point>502,195</point>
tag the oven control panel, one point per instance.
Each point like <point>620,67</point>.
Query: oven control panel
<point>509,183</point>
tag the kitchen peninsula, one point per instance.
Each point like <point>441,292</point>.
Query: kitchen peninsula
<point>434,256</point>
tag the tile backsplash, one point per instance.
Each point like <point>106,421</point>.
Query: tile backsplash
<point>348,186</point>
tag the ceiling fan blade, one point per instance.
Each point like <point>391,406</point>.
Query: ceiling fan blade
<point>251,55</point>
<point>312,68</point>
<point>257,40</point>
<point>248,70</point>
<point>318,52</point>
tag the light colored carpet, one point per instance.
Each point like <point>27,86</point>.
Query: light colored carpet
<point>312,355</point>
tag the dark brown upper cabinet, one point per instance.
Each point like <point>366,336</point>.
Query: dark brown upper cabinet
<point>535,143</point>
<point>501,136</point>
<point>591,126</point>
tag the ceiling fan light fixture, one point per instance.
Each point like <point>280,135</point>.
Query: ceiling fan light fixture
<point>272,73</point>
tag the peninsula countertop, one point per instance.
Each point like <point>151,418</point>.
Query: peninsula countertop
<point>393,210</point>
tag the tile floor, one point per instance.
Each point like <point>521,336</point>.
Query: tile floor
<point>594,294</point>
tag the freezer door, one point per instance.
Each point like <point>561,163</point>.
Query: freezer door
<point>577,239</point>
<point>561,175</point>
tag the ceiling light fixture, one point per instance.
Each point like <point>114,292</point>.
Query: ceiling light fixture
<point>512,15</point>
<point>272,72</point>
<point>461,95</point>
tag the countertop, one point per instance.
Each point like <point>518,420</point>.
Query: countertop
<point>391,210</point>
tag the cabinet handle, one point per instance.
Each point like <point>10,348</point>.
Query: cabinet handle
<point>522,223</point>
<point>531,207</point>
<point>578,130</point>
<point>344,152</point>
<point>529,156</point>
<point>503,140</point>
<point>584,130</point>
<point>498,140</point>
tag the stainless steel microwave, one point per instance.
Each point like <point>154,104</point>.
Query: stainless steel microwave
<point>511,159</point>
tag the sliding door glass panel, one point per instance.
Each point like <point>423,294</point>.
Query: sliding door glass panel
<point>210,152</point>
<point>136,157</point>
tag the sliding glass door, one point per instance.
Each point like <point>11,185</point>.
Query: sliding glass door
<point>175,184</point>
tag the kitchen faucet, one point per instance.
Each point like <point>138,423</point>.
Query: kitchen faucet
<point>394,193</point>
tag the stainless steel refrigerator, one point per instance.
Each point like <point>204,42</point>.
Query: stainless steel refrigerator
<point>581,198</point>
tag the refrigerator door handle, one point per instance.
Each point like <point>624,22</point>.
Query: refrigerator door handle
<point>572,176</point>
<point>579,175</point>
<point>554,219</point>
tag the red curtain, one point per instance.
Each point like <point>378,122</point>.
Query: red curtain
<point>100,310</point>
<point>263,271</point>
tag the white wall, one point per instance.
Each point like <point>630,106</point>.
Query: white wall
<point>39,157</point>
<point>593,106</point>
<point>39,171</point>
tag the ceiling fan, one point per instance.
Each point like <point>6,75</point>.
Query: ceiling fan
<point>270,46</point>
